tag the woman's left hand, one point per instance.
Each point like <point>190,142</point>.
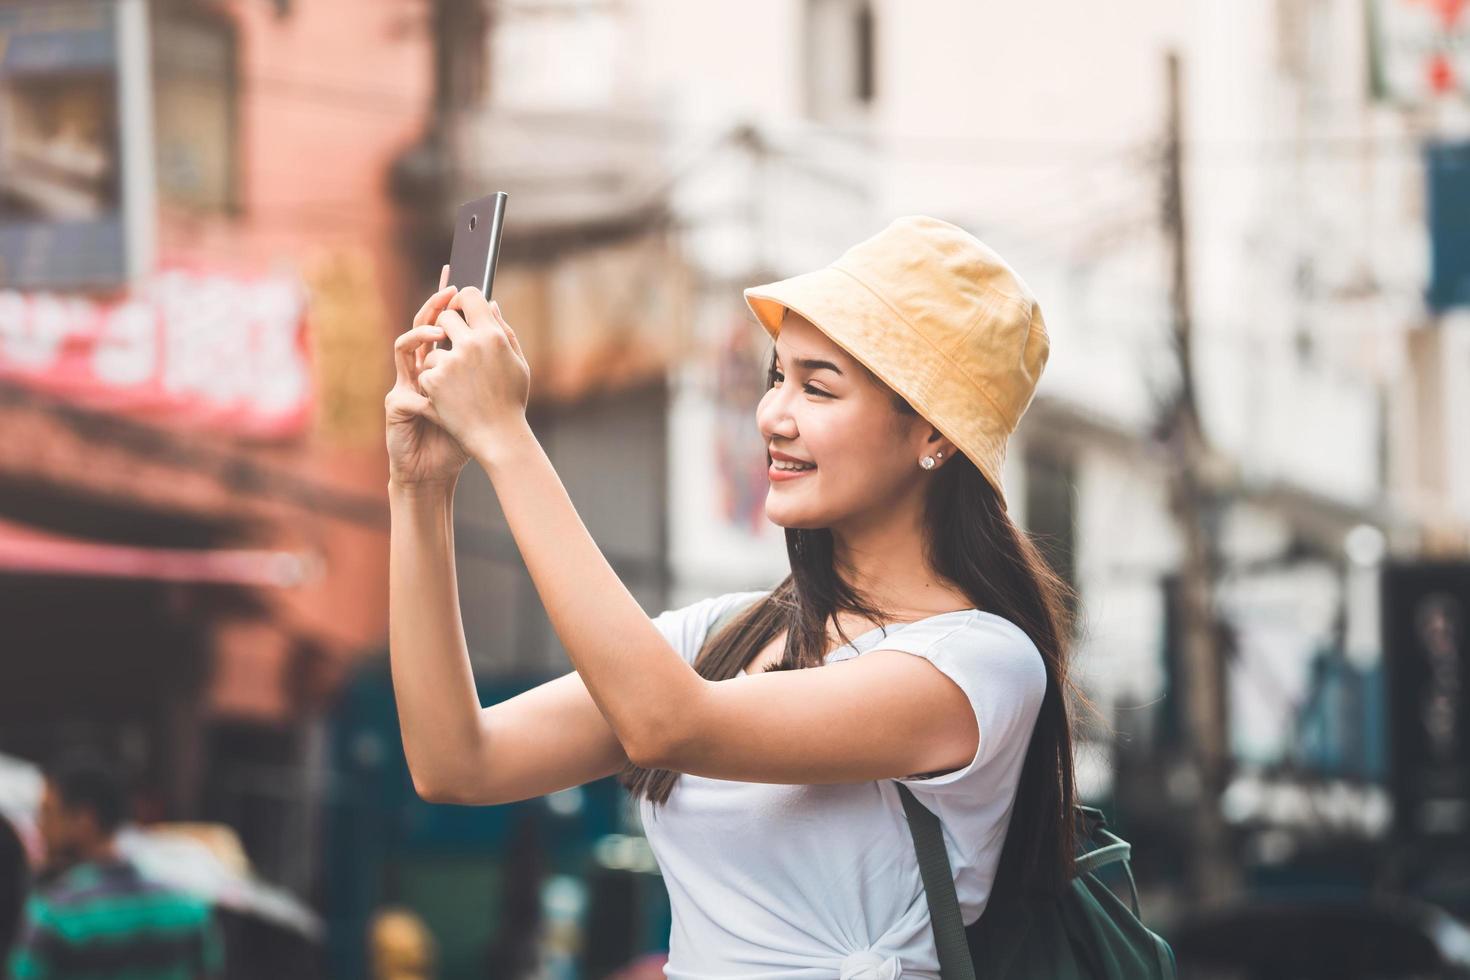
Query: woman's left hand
<point>479,388</point>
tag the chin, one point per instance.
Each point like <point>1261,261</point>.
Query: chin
<point>781,516</point>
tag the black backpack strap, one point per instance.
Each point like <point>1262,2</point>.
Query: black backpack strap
<point>944,905</point>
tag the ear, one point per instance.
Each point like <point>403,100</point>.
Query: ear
<point>938,443</point>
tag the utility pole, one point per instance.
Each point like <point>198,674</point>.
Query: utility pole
<point>425,179</point>
<point>461,39</point>
<point>1194,499</point>
<point>461,36</point>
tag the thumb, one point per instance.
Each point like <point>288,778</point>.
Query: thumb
<point>407,403</point>
<point>432,414</point>
<point>423,407</point>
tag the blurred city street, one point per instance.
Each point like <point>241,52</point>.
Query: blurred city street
<point>1248,222</point>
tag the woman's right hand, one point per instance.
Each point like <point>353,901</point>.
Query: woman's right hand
<point>420,452</point>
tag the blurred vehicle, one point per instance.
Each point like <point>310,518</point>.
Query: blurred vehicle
<point>1347,938</point>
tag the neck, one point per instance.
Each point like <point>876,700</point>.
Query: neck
<point>885,560</point>
<point>100,851</point>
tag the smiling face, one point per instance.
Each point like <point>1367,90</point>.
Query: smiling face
<point>824,407</point>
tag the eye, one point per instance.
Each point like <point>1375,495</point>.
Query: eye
<point>778,376</point>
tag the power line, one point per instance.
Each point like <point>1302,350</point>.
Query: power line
<point>990,150</point>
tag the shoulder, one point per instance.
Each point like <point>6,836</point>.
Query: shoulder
<point>69,887</point>
<point>120,882</point>
<point>1002,673</point>
<point>972,641</point>
<point>686,626</point>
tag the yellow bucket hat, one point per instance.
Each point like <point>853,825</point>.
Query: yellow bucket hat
<point>937,316</point>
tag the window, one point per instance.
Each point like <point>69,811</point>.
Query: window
<point>840,69</point>
<point>1051,511</point>
<point>195,94</point>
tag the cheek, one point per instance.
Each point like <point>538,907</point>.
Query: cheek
<point>848,438</point>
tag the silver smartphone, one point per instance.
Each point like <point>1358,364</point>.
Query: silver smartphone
<point>476,248</point>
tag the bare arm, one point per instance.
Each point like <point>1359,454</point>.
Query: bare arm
<point>545,739</point>
<point>438,707</point>
<point>883,715</point>
<point>888,714</point>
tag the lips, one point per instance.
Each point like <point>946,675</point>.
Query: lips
<point>780,474</point>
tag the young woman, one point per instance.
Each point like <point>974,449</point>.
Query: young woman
<point>767,785</point>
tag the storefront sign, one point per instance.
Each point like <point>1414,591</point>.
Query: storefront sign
<point>187,348</point>
<point>1426,645</point>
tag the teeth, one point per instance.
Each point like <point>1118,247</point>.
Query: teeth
<point>783,465</point>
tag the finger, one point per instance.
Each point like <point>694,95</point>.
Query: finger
<point>405,402</point>
<point>433,357</point>
<point>431,413</point>
<point>406,352</point>
<point>471,304</point>
<point>423,334</point>
<point>406,347</point>
<point>432,306</point>
<point>454,325</point>
<point>509,332</point>
<point>444,277</point>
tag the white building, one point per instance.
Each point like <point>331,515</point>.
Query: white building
<point>788,130</point>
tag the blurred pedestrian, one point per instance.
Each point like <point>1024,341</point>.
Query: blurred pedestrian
<point>92,914</point>
<point>401,946</point>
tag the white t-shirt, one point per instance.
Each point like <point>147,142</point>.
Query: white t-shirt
<point>819,881</point>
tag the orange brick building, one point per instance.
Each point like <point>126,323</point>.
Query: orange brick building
<point>175,580</point>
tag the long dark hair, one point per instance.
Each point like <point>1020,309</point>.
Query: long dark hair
<point>972,542</point>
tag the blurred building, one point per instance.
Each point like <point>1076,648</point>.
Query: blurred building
<point>590,273</point>
<point>1329,387</point>
<point>194,537</point>
<point>193,530</point>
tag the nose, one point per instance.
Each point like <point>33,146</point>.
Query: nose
<point>772,417</point>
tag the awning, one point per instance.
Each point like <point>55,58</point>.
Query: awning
<point>29,550</point>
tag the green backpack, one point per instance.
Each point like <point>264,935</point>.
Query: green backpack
<point>1086,933</point>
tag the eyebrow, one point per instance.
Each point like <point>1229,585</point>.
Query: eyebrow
<point>814,364</point>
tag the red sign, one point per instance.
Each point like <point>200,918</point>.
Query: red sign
<point>1421,49</point>
<point>192,348</point>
